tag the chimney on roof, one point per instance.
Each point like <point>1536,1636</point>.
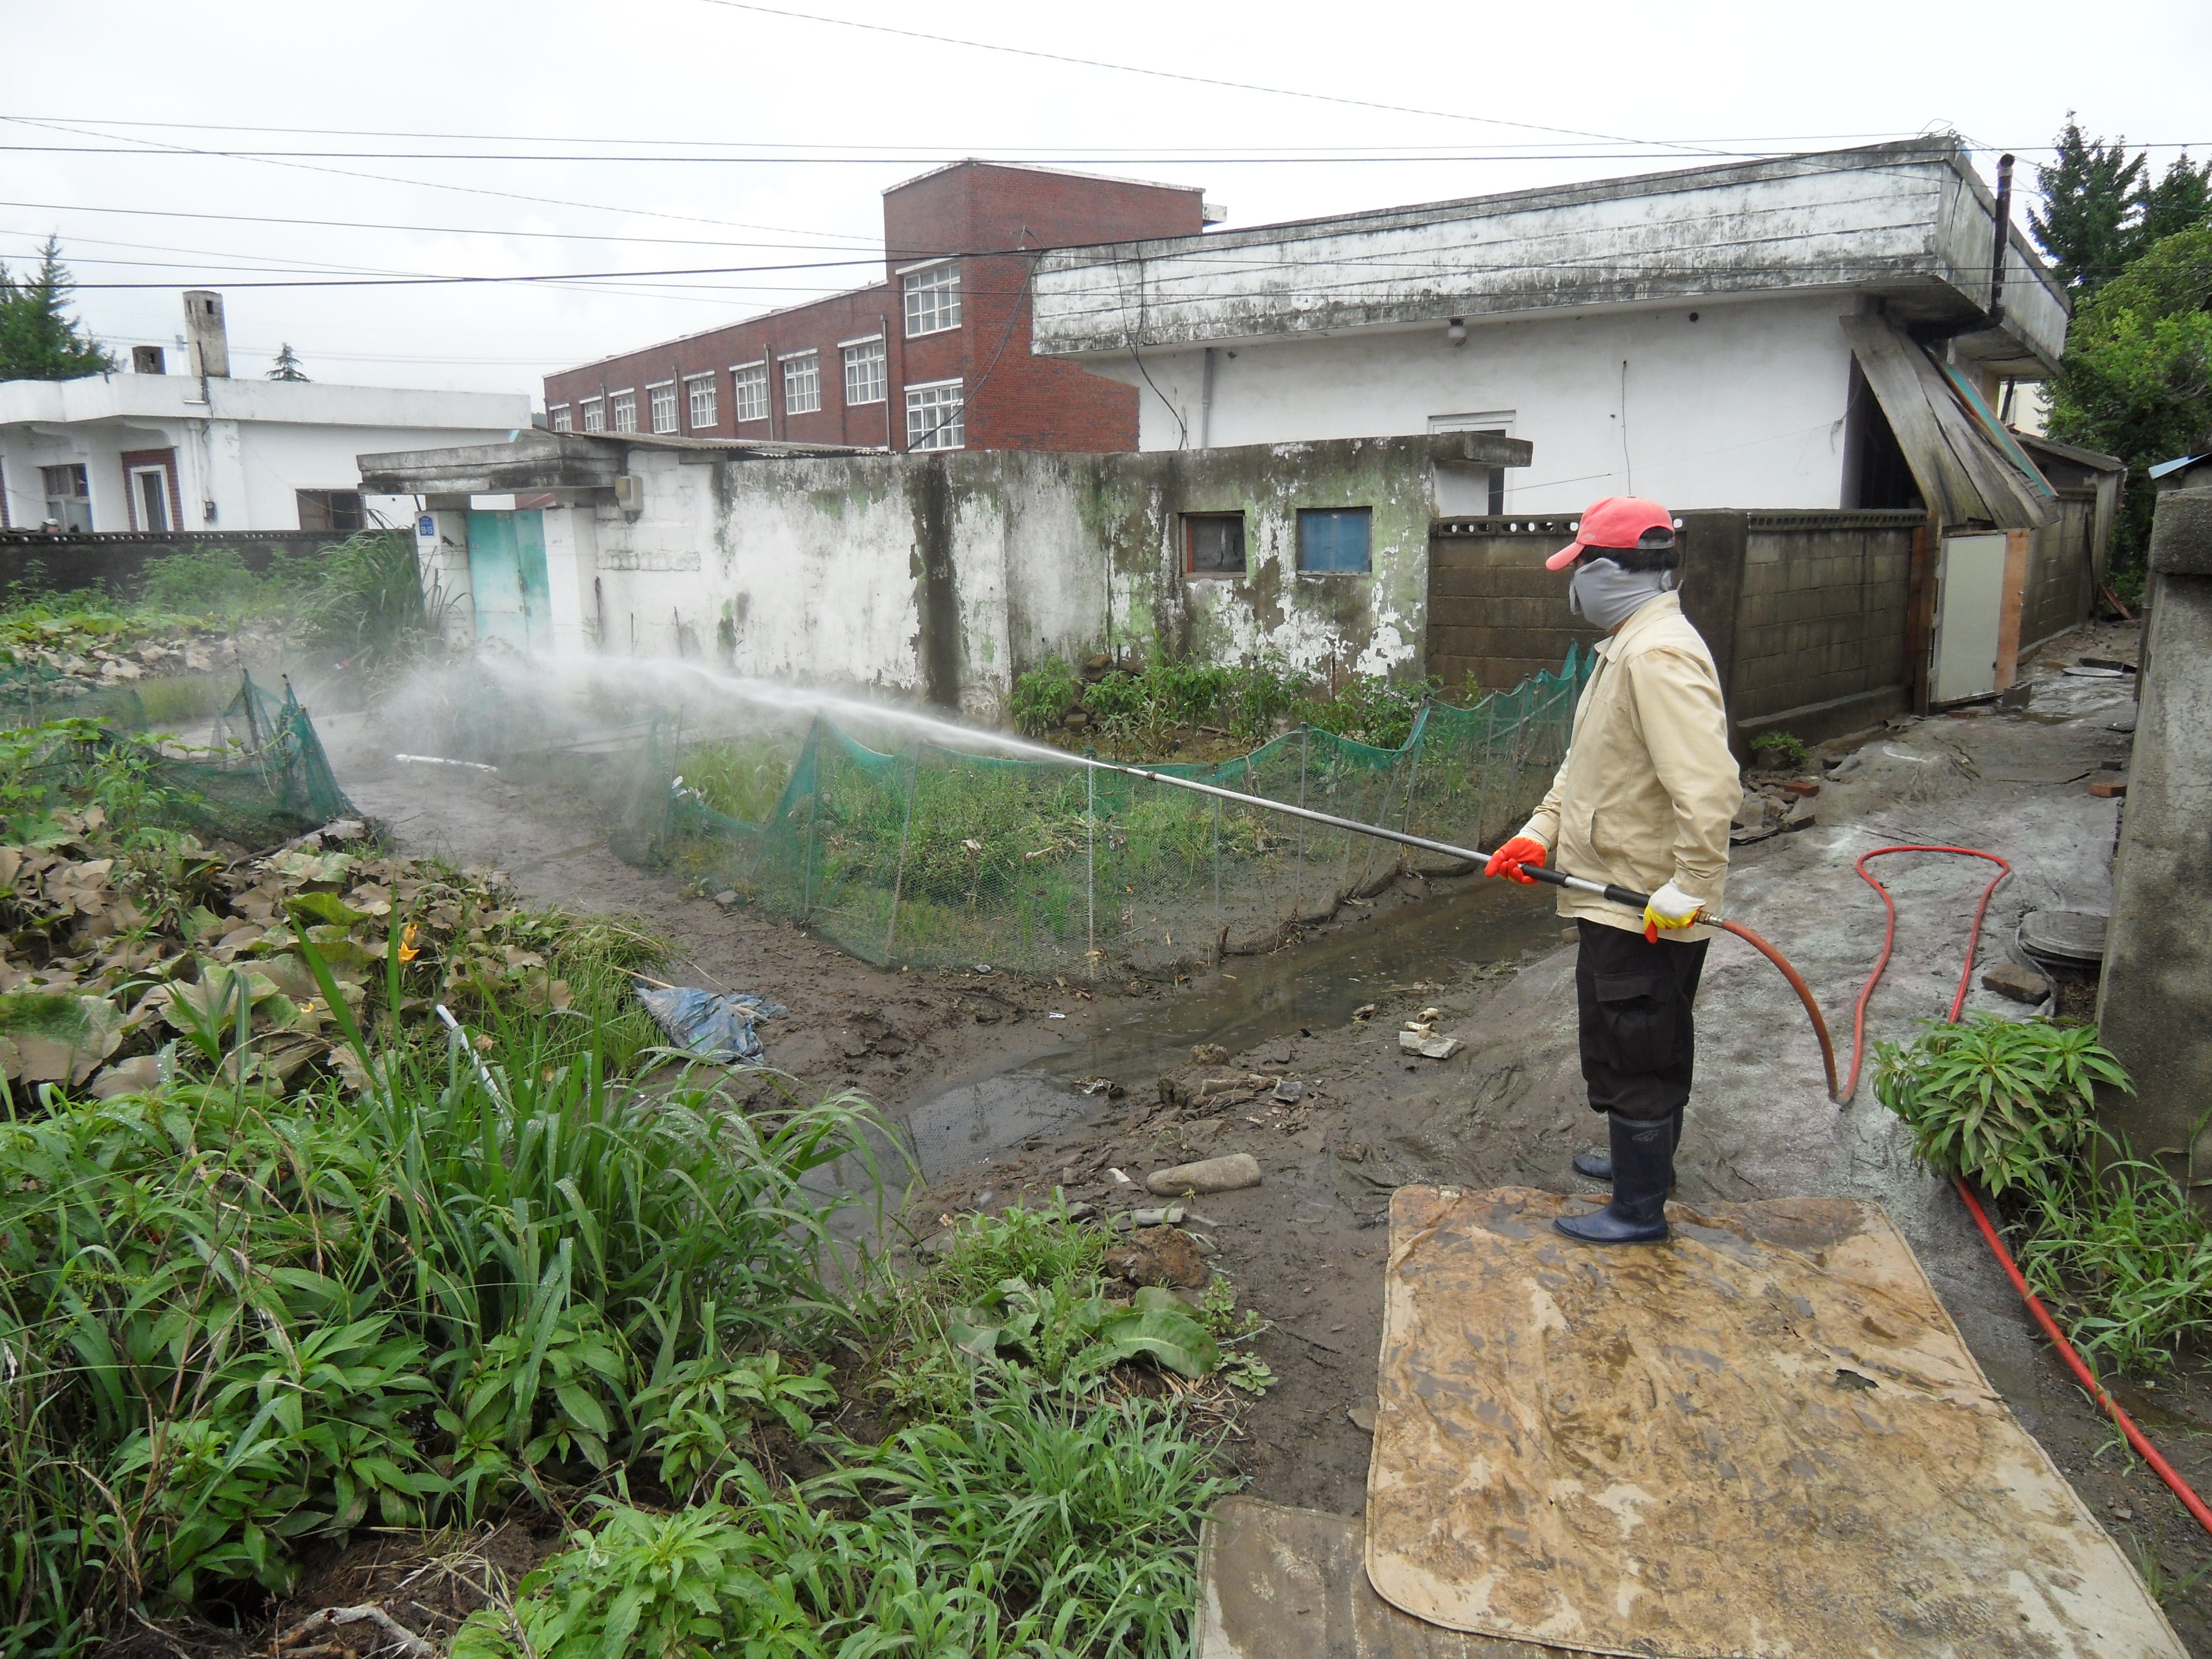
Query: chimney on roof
<point>208,340</point>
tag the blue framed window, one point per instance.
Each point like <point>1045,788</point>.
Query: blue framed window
<point>1333,539</point>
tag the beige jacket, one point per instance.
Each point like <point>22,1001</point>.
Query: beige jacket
<point>1649,789</point>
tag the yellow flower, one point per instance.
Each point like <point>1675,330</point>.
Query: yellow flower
<point>407,949</point>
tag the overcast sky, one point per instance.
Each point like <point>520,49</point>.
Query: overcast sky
<point>677,131</point>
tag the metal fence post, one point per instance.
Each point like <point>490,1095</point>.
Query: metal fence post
<point>906,830</point>
<point>1090,868</point>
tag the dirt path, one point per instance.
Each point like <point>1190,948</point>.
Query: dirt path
<point>989,1080</point>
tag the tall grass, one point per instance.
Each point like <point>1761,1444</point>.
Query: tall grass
<point>236,1322</point>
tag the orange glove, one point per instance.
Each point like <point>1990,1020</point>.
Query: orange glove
<point>1507,860</point>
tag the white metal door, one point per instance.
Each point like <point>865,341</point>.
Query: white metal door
<point>1969,610</point>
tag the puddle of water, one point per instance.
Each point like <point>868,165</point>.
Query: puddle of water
<point>1253,1000</point>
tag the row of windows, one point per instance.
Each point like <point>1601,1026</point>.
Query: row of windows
<point>936,413</point>
<point>1332,541</point>
<point>933,307</point>
<point>866,381</point>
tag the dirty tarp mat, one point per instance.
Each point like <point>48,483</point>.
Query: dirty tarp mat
<point>1764,1438</point>
<point>708,1026</point>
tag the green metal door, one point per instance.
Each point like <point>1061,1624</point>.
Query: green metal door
<point>507,573</point>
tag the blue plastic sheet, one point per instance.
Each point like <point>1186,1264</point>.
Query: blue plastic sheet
<point>711,1025</point>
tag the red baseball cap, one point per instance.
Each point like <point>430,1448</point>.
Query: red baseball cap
<point>1617,521</point>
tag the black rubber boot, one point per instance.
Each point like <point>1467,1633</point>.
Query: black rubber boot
<point>1597,1166</point>
<point>1643,1169</point>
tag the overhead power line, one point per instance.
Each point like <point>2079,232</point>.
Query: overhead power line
<point>569,158</point>
<point>428,230</point>
<point>1741,143</point>
<point>1182,76</point>
<point>154,147</point>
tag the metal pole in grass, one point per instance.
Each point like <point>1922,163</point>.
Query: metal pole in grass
<point>906,830</point>
<point>1298,899</point>
<point>1090,865</point>
<point>1219,925</point>
<point>811,758</point>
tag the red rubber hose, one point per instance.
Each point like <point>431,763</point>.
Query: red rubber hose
<point>1889,937</point>
<point>2148,1453</point>
<point>2144,1450</point>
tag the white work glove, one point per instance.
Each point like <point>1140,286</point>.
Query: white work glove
<point>1669,907</point>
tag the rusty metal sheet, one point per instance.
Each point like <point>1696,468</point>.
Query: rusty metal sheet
<point>1276,1582</point>
<point>1763,1439</point>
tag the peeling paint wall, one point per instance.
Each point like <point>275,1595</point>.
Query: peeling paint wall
<point>942,577</point>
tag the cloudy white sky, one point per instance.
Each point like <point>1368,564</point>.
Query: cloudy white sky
<point>673,135</point>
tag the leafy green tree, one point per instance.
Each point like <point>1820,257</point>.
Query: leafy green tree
<point>39,340</point>
<point>287,366</point>
<point>2092,211</point>
<point>2137,378</point>
<point>2180,201</point>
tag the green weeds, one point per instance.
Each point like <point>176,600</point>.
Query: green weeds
<point>239,1322</point>
<point>2124,1260</point>
<point>1168,704</point>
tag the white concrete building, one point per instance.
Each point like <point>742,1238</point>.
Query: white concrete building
<point>157,453</point>
<point>1675,335</point>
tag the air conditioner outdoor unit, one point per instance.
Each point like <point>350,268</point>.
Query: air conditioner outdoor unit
<point>629,492</point>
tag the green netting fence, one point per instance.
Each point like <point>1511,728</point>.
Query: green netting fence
<point>262,778</point>
<point>935,856</point>
<point>31,693</point>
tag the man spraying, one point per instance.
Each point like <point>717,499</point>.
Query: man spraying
<point>1643,800</point>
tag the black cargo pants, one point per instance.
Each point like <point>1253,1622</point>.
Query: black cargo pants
<point>1637,1038</point>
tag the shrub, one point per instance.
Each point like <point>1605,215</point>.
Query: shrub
<point>210,581</point>
<point>1372,708</point>
<point>2006,1103</point>
<point>1044,694</point>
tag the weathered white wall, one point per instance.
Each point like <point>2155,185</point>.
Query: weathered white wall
<point>819,567</point>
<point>1742,408</point>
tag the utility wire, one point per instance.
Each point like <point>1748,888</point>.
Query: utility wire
<point>1175,74</point>
<point>434,230</point>
<point>154,147</point>
<point>1763,143</point>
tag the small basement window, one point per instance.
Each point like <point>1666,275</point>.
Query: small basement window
<point>1333,539</point>
<point>1213,543</point>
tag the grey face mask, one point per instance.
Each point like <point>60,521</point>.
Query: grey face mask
<point>1605,596</point>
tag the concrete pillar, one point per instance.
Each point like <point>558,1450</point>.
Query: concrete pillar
<point>2155,1003</point>
<point>441,547</point>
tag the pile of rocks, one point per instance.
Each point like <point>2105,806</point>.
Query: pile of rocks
<point>101,658</point>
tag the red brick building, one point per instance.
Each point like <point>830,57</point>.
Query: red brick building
<point>936,356</point>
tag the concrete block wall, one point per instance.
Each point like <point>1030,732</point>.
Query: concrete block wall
<point>1496,615</point>
<point>2061,577</point>
<point>1806,613</point>
<point>1821,621</point>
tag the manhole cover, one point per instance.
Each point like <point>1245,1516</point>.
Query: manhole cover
<point>2068,935</point>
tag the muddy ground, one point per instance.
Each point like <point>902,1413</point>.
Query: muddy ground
<point>991,1084</point>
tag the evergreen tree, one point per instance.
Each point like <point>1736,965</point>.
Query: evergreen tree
<point>2180,201</point>
<point>287,366</point>
<point>39,340</point>
<point>2090,226</point>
